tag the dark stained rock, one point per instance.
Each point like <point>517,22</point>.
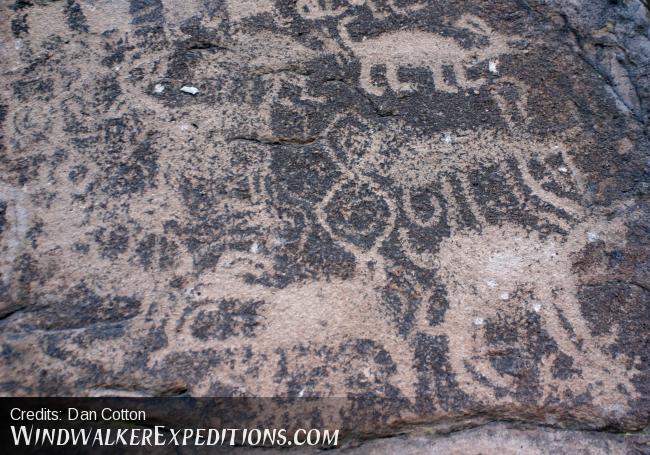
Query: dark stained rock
<point>442,207</point>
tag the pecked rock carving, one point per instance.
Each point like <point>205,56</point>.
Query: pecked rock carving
<point>412,48</point>
<point>437,208</point>
<point>509,273</point>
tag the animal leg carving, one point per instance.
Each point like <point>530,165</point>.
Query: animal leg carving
<point>439,80</point>
<point>469,197</point>
<point>463,81</point>
<point>367,83</point>
<point>394,82</point>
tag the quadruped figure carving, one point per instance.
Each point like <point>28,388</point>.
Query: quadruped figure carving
<point>399,49</point>
<point>419,49</point>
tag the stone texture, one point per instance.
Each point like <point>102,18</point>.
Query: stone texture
<point>438,205</point>
<point>506,439</point>
<point>500,438</point>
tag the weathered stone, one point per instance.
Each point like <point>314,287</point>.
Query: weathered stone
<point>439,205</point>
<point>503,438</point>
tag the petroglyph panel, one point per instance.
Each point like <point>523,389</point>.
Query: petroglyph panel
<point>435,204</point>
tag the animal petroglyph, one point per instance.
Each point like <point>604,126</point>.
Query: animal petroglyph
<point>418,49</point>
<point>498,272</point>
<point>492,271</point>
<point>433,206</point>
<point>446,171</point>
<point>414,48</point>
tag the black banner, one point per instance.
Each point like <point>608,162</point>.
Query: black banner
<point>179,424</point>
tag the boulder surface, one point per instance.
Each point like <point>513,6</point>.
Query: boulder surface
<point>440,209</point>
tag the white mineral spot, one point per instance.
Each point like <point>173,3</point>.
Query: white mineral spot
<point>255,248</point>
<point>563,169</point>
<point>504,296</point>
<point>189,89</point>
<point>447,139</point>
<point>478,322</point>
<point>159,88</point>
<point>492,283</point>
<point>592,236</point>
<point>492,66</point>
<point>537,307</point>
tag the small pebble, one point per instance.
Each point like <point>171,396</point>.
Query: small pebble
<point>592,236</point>
<point>159,88</point>
<point>189,89</point>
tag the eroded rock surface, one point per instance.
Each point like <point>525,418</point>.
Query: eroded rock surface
<point>507,439</point>
<point>442,205</point>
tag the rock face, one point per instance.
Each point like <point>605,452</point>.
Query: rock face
<point>500,438</point>
<point>442,205</point>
